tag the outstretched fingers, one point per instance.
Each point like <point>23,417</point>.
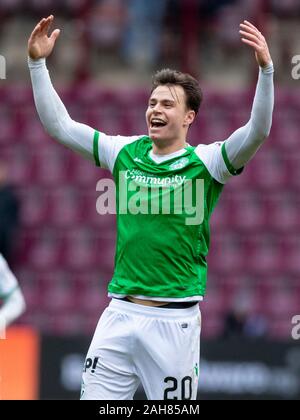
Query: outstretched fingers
<point>246,22</point>
<point>255,39</point>
<point>42,27</point>
<point>247,26</point>
<point>55,34</point>
<point>251,43</point>
<point>45,24</point>
<point>37,30</point>
<point>252,36</point>
<point>42,41</point>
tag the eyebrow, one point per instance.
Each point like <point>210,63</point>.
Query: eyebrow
<point>171,101</point>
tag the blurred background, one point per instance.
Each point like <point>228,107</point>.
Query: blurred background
<point>62,251</point>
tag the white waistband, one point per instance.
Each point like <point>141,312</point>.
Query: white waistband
<point>153,311</point>
<point>158,299</point>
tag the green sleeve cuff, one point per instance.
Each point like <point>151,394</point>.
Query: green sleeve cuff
<point>96,148</point>
<point>229,166</point>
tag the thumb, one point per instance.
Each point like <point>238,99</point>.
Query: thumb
<point>55,34</point>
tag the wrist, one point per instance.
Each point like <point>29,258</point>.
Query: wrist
<point>268,68</point>
<point>36,62</point>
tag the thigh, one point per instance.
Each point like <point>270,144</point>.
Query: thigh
<point>167,358</point>
<point>108,372</point>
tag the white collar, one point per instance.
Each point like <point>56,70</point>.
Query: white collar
<point>163,158</point>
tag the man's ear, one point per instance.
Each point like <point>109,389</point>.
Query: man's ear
<point>189,118</point>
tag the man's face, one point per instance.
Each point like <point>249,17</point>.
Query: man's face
<point>167,115</point>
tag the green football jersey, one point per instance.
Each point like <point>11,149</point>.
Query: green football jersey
<point>163,213</point>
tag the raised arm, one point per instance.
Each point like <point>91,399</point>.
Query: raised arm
<point>57,122</point>
<point>243,144</point>
<point>52,112</point>
<point>227,158</point>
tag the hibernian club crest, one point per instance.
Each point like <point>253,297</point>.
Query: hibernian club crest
<point>179,164</point>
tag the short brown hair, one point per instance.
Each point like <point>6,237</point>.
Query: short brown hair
<point>189,84</point>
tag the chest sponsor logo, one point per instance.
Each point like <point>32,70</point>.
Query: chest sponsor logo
<point>141,193</point>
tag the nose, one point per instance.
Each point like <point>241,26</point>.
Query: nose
<point>157,108</point>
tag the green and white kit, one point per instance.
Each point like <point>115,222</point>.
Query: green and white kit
<point>163,212</point>
<point>161,244</point>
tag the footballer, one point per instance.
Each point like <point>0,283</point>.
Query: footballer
<point>150,332</point>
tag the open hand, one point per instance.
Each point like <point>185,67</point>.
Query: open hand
<point>40,45</point>
<point>255,39</point>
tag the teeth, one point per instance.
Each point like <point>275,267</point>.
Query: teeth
<point>158,121</point>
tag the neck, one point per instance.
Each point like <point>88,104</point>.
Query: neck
<point>163,149</point>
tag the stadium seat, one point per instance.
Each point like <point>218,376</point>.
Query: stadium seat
<point>51,168</point>
<point>283,213</point>
<point>263,255</point>
<point>82,173</point>
<point>79,249</point>
<point>58,292</point>
<point>45,251</point>
<point>35,207</point>
<point>247,213</point>
<point>66,207</point>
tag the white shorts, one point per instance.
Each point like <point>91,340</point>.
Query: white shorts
<point>133,344</point>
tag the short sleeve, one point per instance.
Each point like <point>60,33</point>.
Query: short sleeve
<point>215,159</point>
<point>107,148</point>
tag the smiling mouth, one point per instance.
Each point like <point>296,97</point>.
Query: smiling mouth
<point>157,123</point>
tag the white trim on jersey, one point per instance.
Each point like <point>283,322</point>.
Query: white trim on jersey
<point>109,148</point>
<point>211,156</point>
<point>162,158</point>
